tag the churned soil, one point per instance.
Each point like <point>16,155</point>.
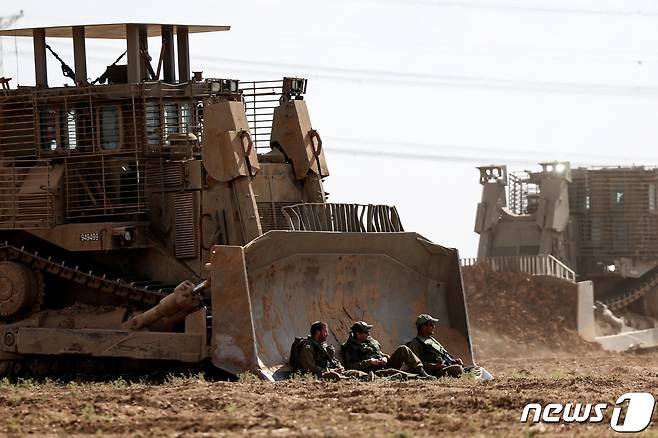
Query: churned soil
<point>520,315</point>
<point>307,407</point>
<point>524,333</point>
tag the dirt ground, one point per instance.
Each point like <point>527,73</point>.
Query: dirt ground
<point>523,331</point>
<point>520,315</point>
<point>192,406</point>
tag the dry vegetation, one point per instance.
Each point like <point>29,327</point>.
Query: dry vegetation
<point>306,407</point>
<point>539,322</point>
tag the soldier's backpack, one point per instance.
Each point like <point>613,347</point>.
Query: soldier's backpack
<point>295,350</point>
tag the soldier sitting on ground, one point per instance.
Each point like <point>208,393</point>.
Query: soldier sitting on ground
<point>436,359</point>
<point>314,356</point>
<point>362,352</point>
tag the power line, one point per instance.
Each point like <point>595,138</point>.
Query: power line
<point>424,47</point>
<point>495,151</point>
<point>439,80</point>
<point>492,156</point>
<point>481,154</point>
<point>426,79</point>
<point>426,157</point>
<point>597,56</point>
<point>480,160</point>
<point>519,8</point>
<point>6,22</point>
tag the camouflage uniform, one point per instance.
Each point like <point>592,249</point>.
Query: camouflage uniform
<point>357,355</point>
<point>431,352</point>
<point>320,359</point>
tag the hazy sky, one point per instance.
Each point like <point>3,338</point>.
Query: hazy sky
<point>410,96</point>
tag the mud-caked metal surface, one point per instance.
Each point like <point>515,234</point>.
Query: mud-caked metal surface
<point>268,292</point>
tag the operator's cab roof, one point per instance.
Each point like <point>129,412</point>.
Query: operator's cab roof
<point>110,31</point>
<point>137,68</point>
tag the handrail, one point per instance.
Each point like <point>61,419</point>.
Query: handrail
<point>543,264</point>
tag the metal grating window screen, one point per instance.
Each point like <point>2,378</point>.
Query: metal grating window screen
<point>25,199</point>
<point>185,235</point>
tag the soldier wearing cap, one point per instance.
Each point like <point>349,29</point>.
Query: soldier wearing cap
<point>318,358</point>
<point>362,352</point>
<point>436,359</point>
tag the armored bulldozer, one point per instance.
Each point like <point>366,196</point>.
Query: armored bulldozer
<point>123,197</point>
<point>599,223</point>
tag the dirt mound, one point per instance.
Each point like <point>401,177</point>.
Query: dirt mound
<point>520,315</point>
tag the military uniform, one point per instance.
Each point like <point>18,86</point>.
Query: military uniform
<point>320,359</point>
<point>436,359</point>
<point>431,352</point>
<point>357,356</point>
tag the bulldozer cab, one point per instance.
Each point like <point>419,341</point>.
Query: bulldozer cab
<point>126,185</point>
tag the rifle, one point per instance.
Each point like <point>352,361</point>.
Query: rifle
<point>102,78</point>
<point>331,354</point>
<point>443,354</point>
<point>66,70</point>
<point>447,358</point>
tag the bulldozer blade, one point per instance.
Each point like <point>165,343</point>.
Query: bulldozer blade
<point>270,291</point>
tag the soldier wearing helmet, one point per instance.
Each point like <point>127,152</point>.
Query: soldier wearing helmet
<point>362,352</point>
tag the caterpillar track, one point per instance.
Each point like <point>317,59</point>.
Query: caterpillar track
<point>137,291</point>
<point>642,286</point>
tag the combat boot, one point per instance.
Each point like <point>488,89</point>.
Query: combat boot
<point>333,376</point>
<point>422,374</point>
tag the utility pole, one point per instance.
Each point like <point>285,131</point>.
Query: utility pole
<point>6,22</point>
